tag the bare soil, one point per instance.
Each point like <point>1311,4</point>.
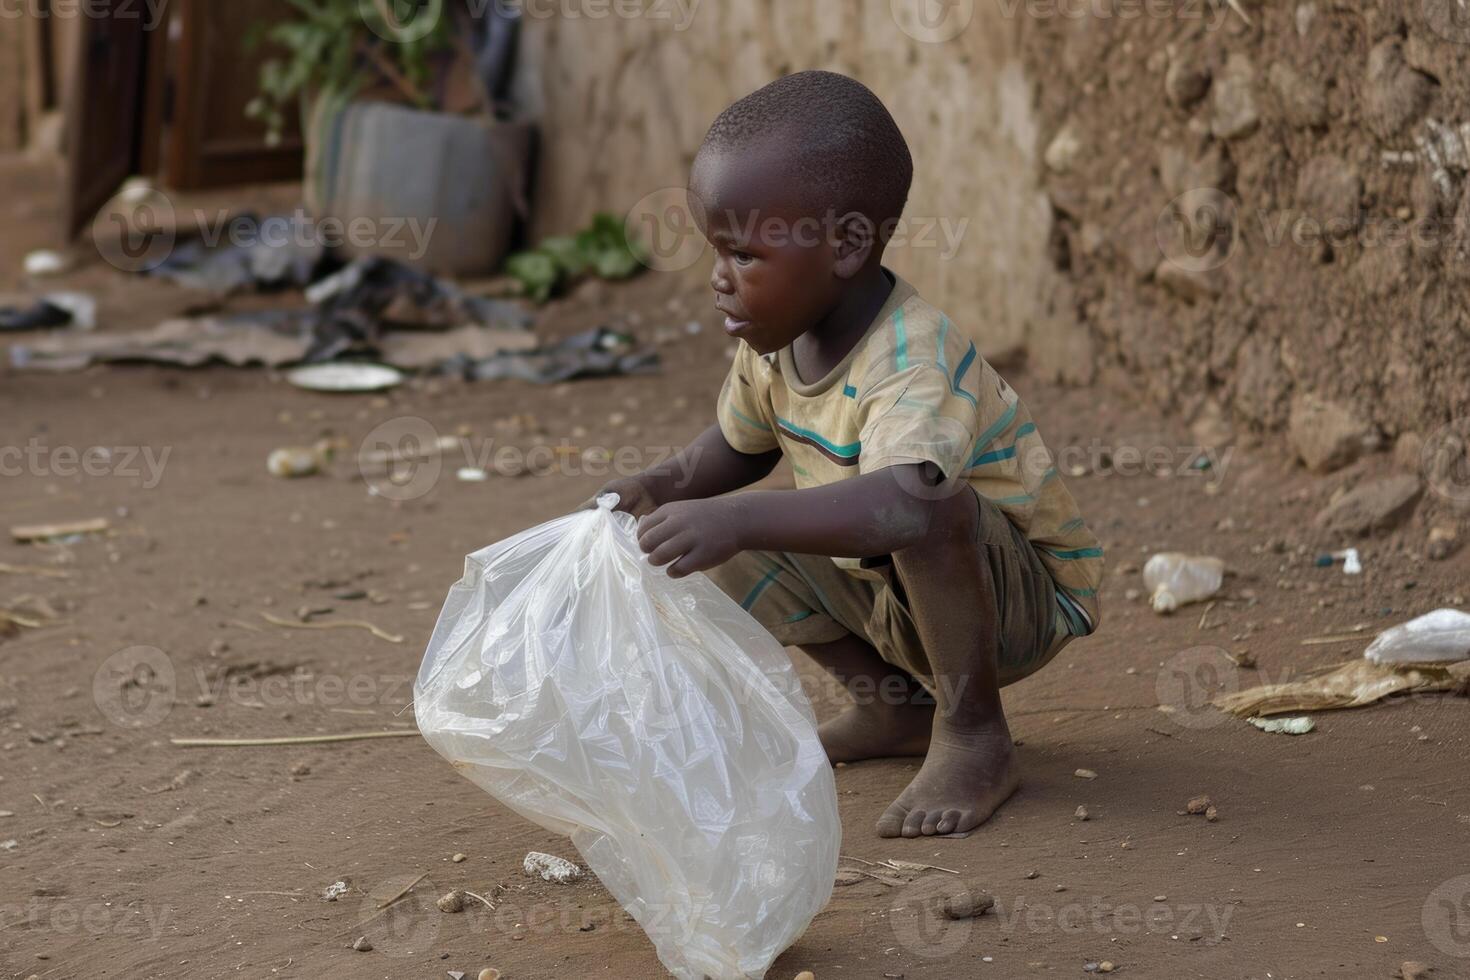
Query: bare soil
<point>1339,853</point>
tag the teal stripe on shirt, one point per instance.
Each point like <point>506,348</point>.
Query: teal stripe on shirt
<point>1075,553</point>
<point>760,587</point>
<point>848,450</point>
<point>747,419</point>
<point>901,352</point>
<point>1001,424</point>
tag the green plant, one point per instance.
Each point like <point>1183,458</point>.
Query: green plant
<point>602,248</point>
<point>337,46</point>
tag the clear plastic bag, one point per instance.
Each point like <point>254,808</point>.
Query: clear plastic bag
<point>1442,636</point>
<point>653,722</point>
<point>1174,579</point>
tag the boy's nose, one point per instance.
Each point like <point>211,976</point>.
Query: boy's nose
<point>719,279</point>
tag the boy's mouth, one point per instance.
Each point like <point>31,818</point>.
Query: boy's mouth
<point>733,324</point>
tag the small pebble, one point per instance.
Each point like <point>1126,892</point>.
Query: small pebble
<point>1089,967</point>
<point>1106,966</point>
<point>458,859</point>
<point>806,975</point>
<point>362,945</point>
<point>301,769</point>
<point>1161,898</point>
<point>451,901</point>
<point>1032,875</point>
<point>1198,805</point>
<point>1082,814</point>
<point>967,905</point>
<point>1212,814</point>
<point>489,973</point>
<point>1085,774</point>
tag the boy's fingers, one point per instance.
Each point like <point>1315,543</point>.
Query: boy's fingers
<point>675,547</point>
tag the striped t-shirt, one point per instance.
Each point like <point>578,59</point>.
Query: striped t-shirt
<point>915,390</point>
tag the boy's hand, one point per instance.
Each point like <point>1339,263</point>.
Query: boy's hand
<point>634,497</point>
<point>694,535</point>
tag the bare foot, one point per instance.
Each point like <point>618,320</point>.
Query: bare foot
<point>965,777</point>
<point>875,730</point>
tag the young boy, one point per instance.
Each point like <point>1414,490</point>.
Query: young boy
<point>931,548</point>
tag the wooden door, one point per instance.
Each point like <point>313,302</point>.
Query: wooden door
<point>103,94</point>
<point>208,140</point>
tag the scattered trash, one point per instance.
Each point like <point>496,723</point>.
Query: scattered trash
<point>451,901</point>
<point>1439,637</point>
<point>248,252</point>
<point>549,867</point>
<point>599,352</point>
<point>345,378</point>
<point>1085,774</point>
<point>471,474</point>
<point>290,462</point>
<point>1349,685</point>
<point>1174,579</point>
<point>1351,563</point>
<point>48,312</point>
<point>47,263</point>
<point>620,644</point>
<point>240,341</point>
<point>334,891</point>
<point>1284,726</point>
<point>967,905</point>
<point>47,532</point>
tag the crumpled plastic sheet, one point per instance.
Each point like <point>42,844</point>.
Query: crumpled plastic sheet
<point>653,722</point>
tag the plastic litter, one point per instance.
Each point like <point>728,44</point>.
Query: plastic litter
<point>1174,579</point>
<point>652,721</point>
<point>549,867</point>
<point>47,263</point>
<point>1440,637</point>
<point>1284,726</point>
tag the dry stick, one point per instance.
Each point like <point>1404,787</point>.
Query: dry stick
<point>336,625</point>
<point>35,570</point>
<point>1205,615</point>
<point>1317,641</point>
<point>406,889</point>
<point>291,740</point>
<point>488,904</point>
<point>915,866</point>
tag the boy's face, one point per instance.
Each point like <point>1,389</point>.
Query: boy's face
<point>776,272</point>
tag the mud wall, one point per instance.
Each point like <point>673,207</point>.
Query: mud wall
<point>623,102</point>
<point>1262,209</point>
<point>1231,208</point>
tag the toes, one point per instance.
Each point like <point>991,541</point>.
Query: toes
<point>931,823</point>
<point>948,822</point>
<point>913,824</point>
<point>891,823</point>
<point>966,821</point>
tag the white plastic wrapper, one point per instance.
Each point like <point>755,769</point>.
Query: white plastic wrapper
<point>1442,636</point>
<point>653,722</point>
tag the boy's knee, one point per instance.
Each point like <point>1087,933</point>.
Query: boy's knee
<point>954,522</point>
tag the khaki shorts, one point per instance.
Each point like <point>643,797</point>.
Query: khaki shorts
<point>809,599</point>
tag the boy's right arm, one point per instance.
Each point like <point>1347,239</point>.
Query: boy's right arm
<point>707,467</point>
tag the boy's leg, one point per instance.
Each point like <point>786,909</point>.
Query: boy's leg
<point>891,713</point>
<point>954,581</point>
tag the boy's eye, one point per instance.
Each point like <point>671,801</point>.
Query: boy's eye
<point>742,258</point>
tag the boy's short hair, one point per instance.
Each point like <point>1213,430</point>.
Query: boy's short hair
<point>846,150</point>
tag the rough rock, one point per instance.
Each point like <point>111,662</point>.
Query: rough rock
<point>1179,172</point>
<point>1188,284</point>
<point>1303,98</point>
<point>1327,435</point>
<point>1235,114</point>
<point>1328,190</point>
<point>1414,970</point>
<point>1393,93</point>
<point>1408,451</point>
<point>1186,81</point>
<point>1379,505</point>
<point>1443,542</point>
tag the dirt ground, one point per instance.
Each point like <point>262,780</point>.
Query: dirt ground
<point>1341,853</point>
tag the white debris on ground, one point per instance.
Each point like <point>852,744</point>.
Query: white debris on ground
<point>549,867</point>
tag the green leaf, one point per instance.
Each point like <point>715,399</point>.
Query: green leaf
<point>536,271</point>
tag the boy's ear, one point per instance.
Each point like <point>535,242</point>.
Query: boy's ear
<point>856,237</point>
